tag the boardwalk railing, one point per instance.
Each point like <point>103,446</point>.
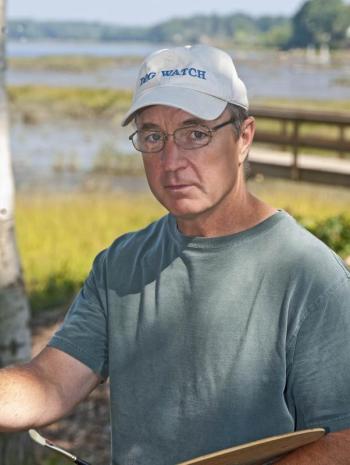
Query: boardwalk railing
<point>294,136</point>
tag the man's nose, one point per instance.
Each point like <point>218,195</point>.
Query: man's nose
<point>172,155</point>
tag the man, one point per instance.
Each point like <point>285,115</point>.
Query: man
<point>221,323</point>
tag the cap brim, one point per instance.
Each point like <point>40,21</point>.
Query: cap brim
<point>201,105</point>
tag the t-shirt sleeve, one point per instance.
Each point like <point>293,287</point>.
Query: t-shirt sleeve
<point>83,334</point>
<point>318,382</point>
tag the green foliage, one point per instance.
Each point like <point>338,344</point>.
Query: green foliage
<point>334,231</point>
<point>278,36</point>
<point>315,23</point>
<point>74,30</point>
<point>320,21</point>
<point>238,28</point>
<point>323,210</point>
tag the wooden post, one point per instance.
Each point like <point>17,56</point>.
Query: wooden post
<point>295,170</point>
<point>284,132</point>
<point>341,139</point>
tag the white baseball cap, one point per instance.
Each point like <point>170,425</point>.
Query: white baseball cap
<point>198,79</point>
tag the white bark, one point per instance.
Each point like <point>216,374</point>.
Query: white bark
<point>15,342</point>
<point>6,178</point>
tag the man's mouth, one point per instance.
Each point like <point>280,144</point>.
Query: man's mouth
<point>178,187</point>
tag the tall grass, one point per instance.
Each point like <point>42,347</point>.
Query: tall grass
<point>59,235</point>
<point>71,63</point>
<point>313,202</point>
<point>85,102</point>
<point>47,102</point>
<point>303,103</point>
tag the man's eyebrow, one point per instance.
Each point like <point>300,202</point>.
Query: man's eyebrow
<point>188,122</point>
<point>193,121</point>
<point>146,126</point>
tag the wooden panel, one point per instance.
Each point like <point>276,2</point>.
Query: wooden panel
<point>261,451</point>
<point>303,141</point>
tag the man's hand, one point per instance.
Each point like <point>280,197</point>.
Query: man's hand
<point>332,449</point>
<point>43,390</point>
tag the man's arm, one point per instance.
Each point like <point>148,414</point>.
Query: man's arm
<point>43,390</point>
<point>332,449</point>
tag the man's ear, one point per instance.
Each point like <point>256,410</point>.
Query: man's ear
<point>246,138</point>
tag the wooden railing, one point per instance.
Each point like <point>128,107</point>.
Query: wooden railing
<point>292,137</point>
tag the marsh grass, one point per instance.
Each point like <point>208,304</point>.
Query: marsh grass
<point>313,202</point>
<point>82,102</point>
<point>305,104</point>
<point>343,81</point>
<point>59,235</point>
<point>34,104</point>
<point>71,63</point>
<point>110,161</point>
<point>48,103</point>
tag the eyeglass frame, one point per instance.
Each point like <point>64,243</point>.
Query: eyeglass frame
<point>167,134</point>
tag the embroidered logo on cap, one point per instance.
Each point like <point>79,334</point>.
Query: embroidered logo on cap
<point>193,72</point>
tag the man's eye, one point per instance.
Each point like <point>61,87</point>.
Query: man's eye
<point>152,137</point>
<point>198,134</point>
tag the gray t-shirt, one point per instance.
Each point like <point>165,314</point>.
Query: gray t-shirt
<point>212,342</point>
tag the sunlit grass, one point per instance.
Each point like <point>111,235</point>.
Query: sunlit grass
<point>87,102</point>
<point>313,201</point>
<point>77,102</point>
<point>71,63</point>
<point>59,235</point>
<point>35,104</point>
<point>303,104</point>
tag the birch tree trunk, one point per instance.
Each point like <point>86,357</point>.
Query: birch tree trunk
<point>15,341</point>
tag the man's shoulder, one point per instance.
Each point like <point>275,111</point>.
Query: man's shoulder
<point>135,243</point>
<point>307,256</point>
<point>146,235</point>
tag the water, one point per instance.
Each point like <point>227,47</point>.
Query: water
<point>43,159</point>
<point>41,153</point>
<point>265,73</point>
<point>295,81</point>
<point>119,78</point>
<point>41,48</point>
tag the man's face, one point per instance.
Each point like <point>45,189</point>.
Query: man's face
<point>190,183</point>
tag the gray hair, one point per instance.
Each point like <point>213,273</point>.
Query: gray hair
<point>239,114</point>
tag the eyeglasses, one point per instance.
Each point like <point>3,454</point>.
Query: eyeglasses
<point>188,138</point>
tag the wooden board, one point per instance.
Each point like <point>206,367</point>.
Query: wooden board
<point>261,451</point>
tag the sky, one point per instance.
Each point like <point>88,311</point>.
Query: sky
<point>141,12</point>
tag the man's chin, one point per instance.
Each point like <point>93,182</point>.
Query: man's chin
<point>184,210</point>
<point>180,205</point>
